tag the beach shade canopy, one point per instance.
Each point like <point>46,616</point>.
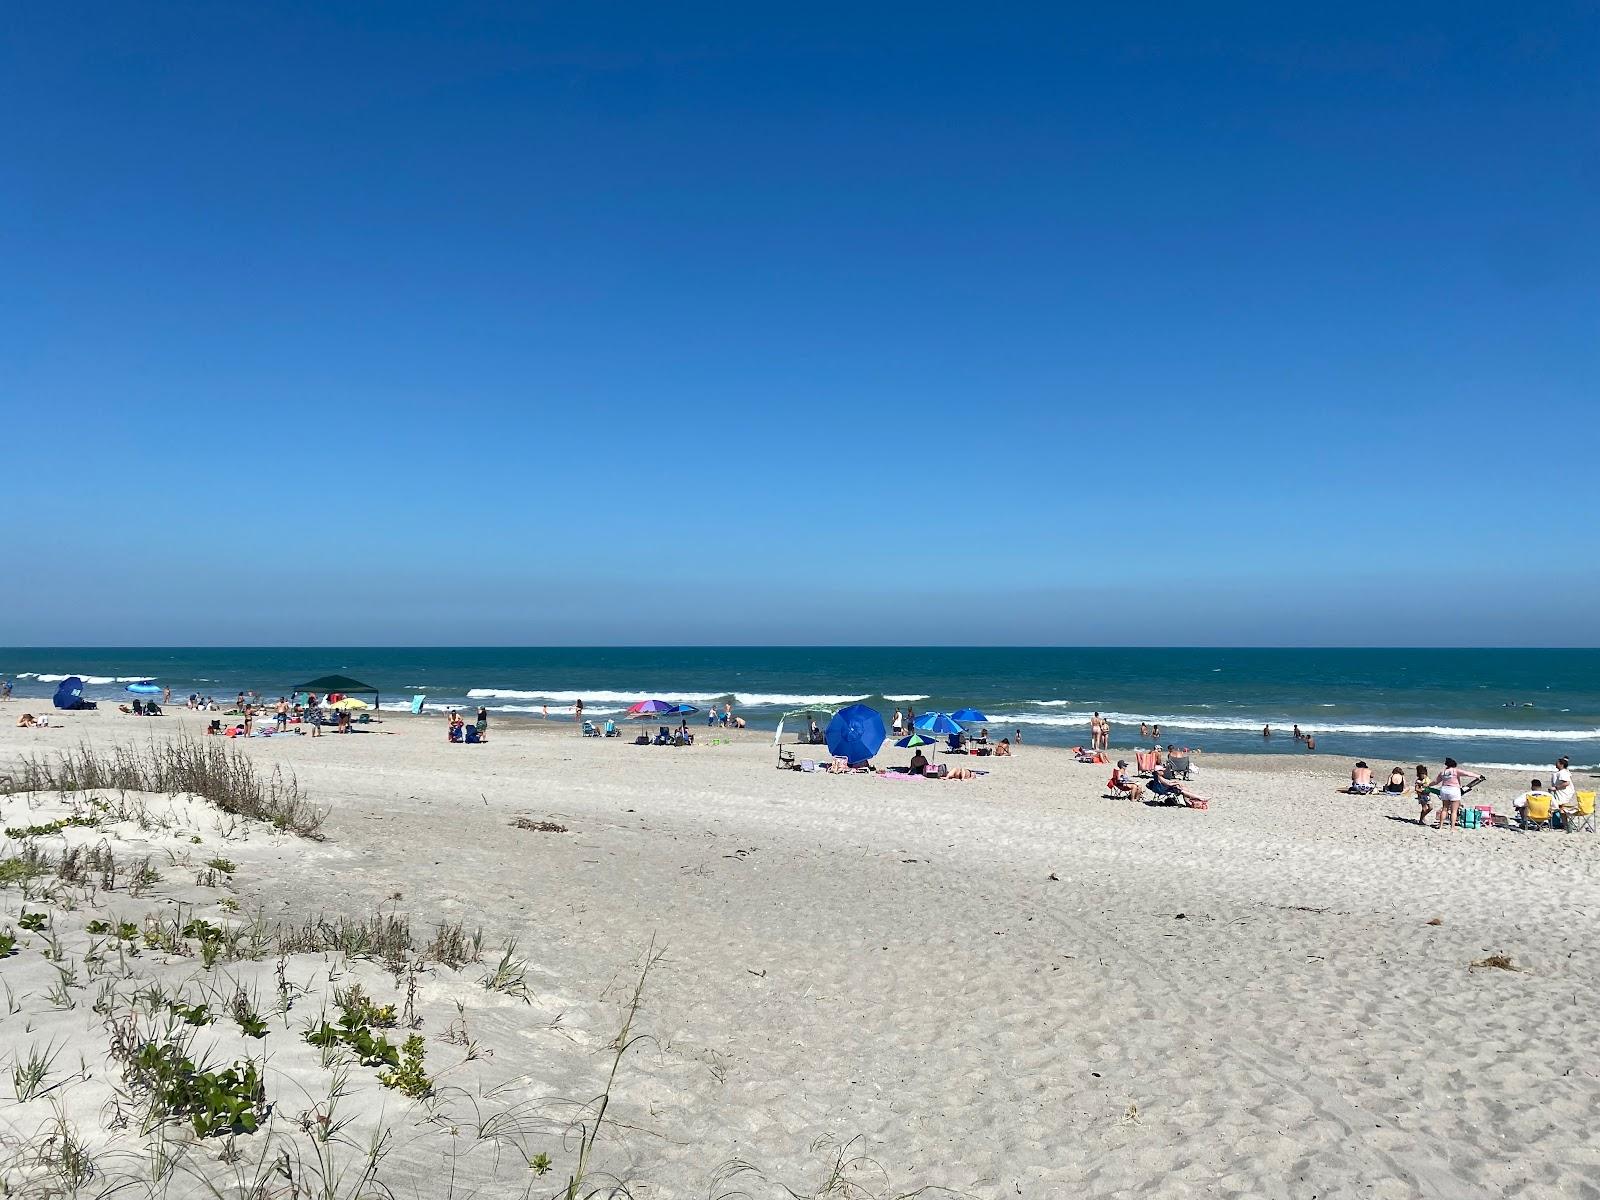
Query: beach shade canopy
<point>915,740</point>
<point>937,723</point>
<point>147,688</point>
<point>650,708</point>
<point>69,694</point>
<point>350,703</point>
<point>808,713</point>
<point>683,710</point>
<point>856,733</point>
<point>969,716</point>
<point>342,684</point>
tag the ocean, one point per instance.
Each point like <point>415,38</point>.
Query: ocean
<point>1484,707</point>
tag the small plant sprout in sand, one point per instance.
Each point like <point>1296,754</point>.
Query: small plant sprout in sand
<point>29,1075</point>
<point>510,974</point>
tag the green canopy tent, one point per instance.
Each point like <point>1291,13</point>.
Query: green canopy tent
<point>342,684</point>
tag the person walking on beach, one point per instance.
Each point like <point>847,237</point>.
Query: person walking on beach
<point>282,714</point>
<point>544,712</point>
<point>895,724</point>
<point>482,723</point>
<point>5,690</point>
<point>577,712</point>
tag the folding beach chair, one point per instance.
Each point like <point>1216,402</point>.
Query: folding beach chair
<point>1537,814</point>
<point>1579,816</point>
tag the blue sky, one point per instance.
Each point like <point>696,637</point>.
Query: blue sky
<point>1220,324</point>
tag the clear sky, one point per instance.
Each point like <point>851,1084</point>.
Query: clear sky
<point>1188,323</point>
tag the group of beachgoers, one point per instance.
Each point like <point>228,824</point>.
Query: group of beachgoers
<point>456,727</point>
<point>1452,783</point>
<point>1166,783</point>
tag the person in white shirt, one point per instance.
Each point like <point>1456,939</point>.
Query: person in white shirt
<point>1521,802</point>
<point>1561,784</point>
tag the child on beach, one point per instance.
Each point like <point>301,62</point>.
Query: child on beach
<point>1425,793</point>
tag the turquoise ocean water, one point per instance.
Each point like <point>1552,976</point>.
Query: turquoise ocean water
<point>1483,707</point>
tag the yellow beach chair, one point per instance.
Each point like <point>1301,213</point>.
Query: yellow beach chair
<point>1579,816</point>
<point>1537,813</point>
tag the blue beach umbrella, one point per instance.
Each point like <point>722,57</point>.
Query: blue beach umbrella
<point>683,710</point>
<point>147,688</point>
<point>856,733</point>
<point>969,716</point>
<point>915,740</point>
<point>937,723</point>
<point>69,694</point>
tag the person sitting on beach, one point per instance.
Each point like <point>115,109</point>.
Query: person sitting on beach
<point>1003,748</point>
<point>1121,781</point>
<point>815,733</point>
<point>919,762</point>
<point>1397,782</point>
<point>1165,786</point>
<point>1361,781</point>
<point>1521,802</point>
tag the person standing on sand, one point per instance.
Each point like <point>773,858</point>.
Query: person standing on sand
<point>894,725</point>
<point>249,717</point>
<point>1105,734</point>
<point>1017,737</point>
<point>1561,791</point>
<point>5,690</point>
<point>283,714</point>
<point>1094,732</point>
<point>482,723</point>
<point>577,712</point>
<point>727,714</point>
<point>1451,782</point>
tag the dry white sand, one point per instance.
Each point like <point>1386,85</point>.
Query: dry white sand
<point>1006,987</point>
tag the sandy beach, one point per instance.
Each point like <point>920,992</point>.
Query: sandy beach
<point>1005,987</point>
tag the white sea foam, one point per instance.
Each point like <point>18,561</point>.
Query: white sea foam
<point>94,680</point>
<point>703,699</point>
<point>1237,724</point>
<point>783,700</point>
<point>904,699</point>
<point>568,698</point>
